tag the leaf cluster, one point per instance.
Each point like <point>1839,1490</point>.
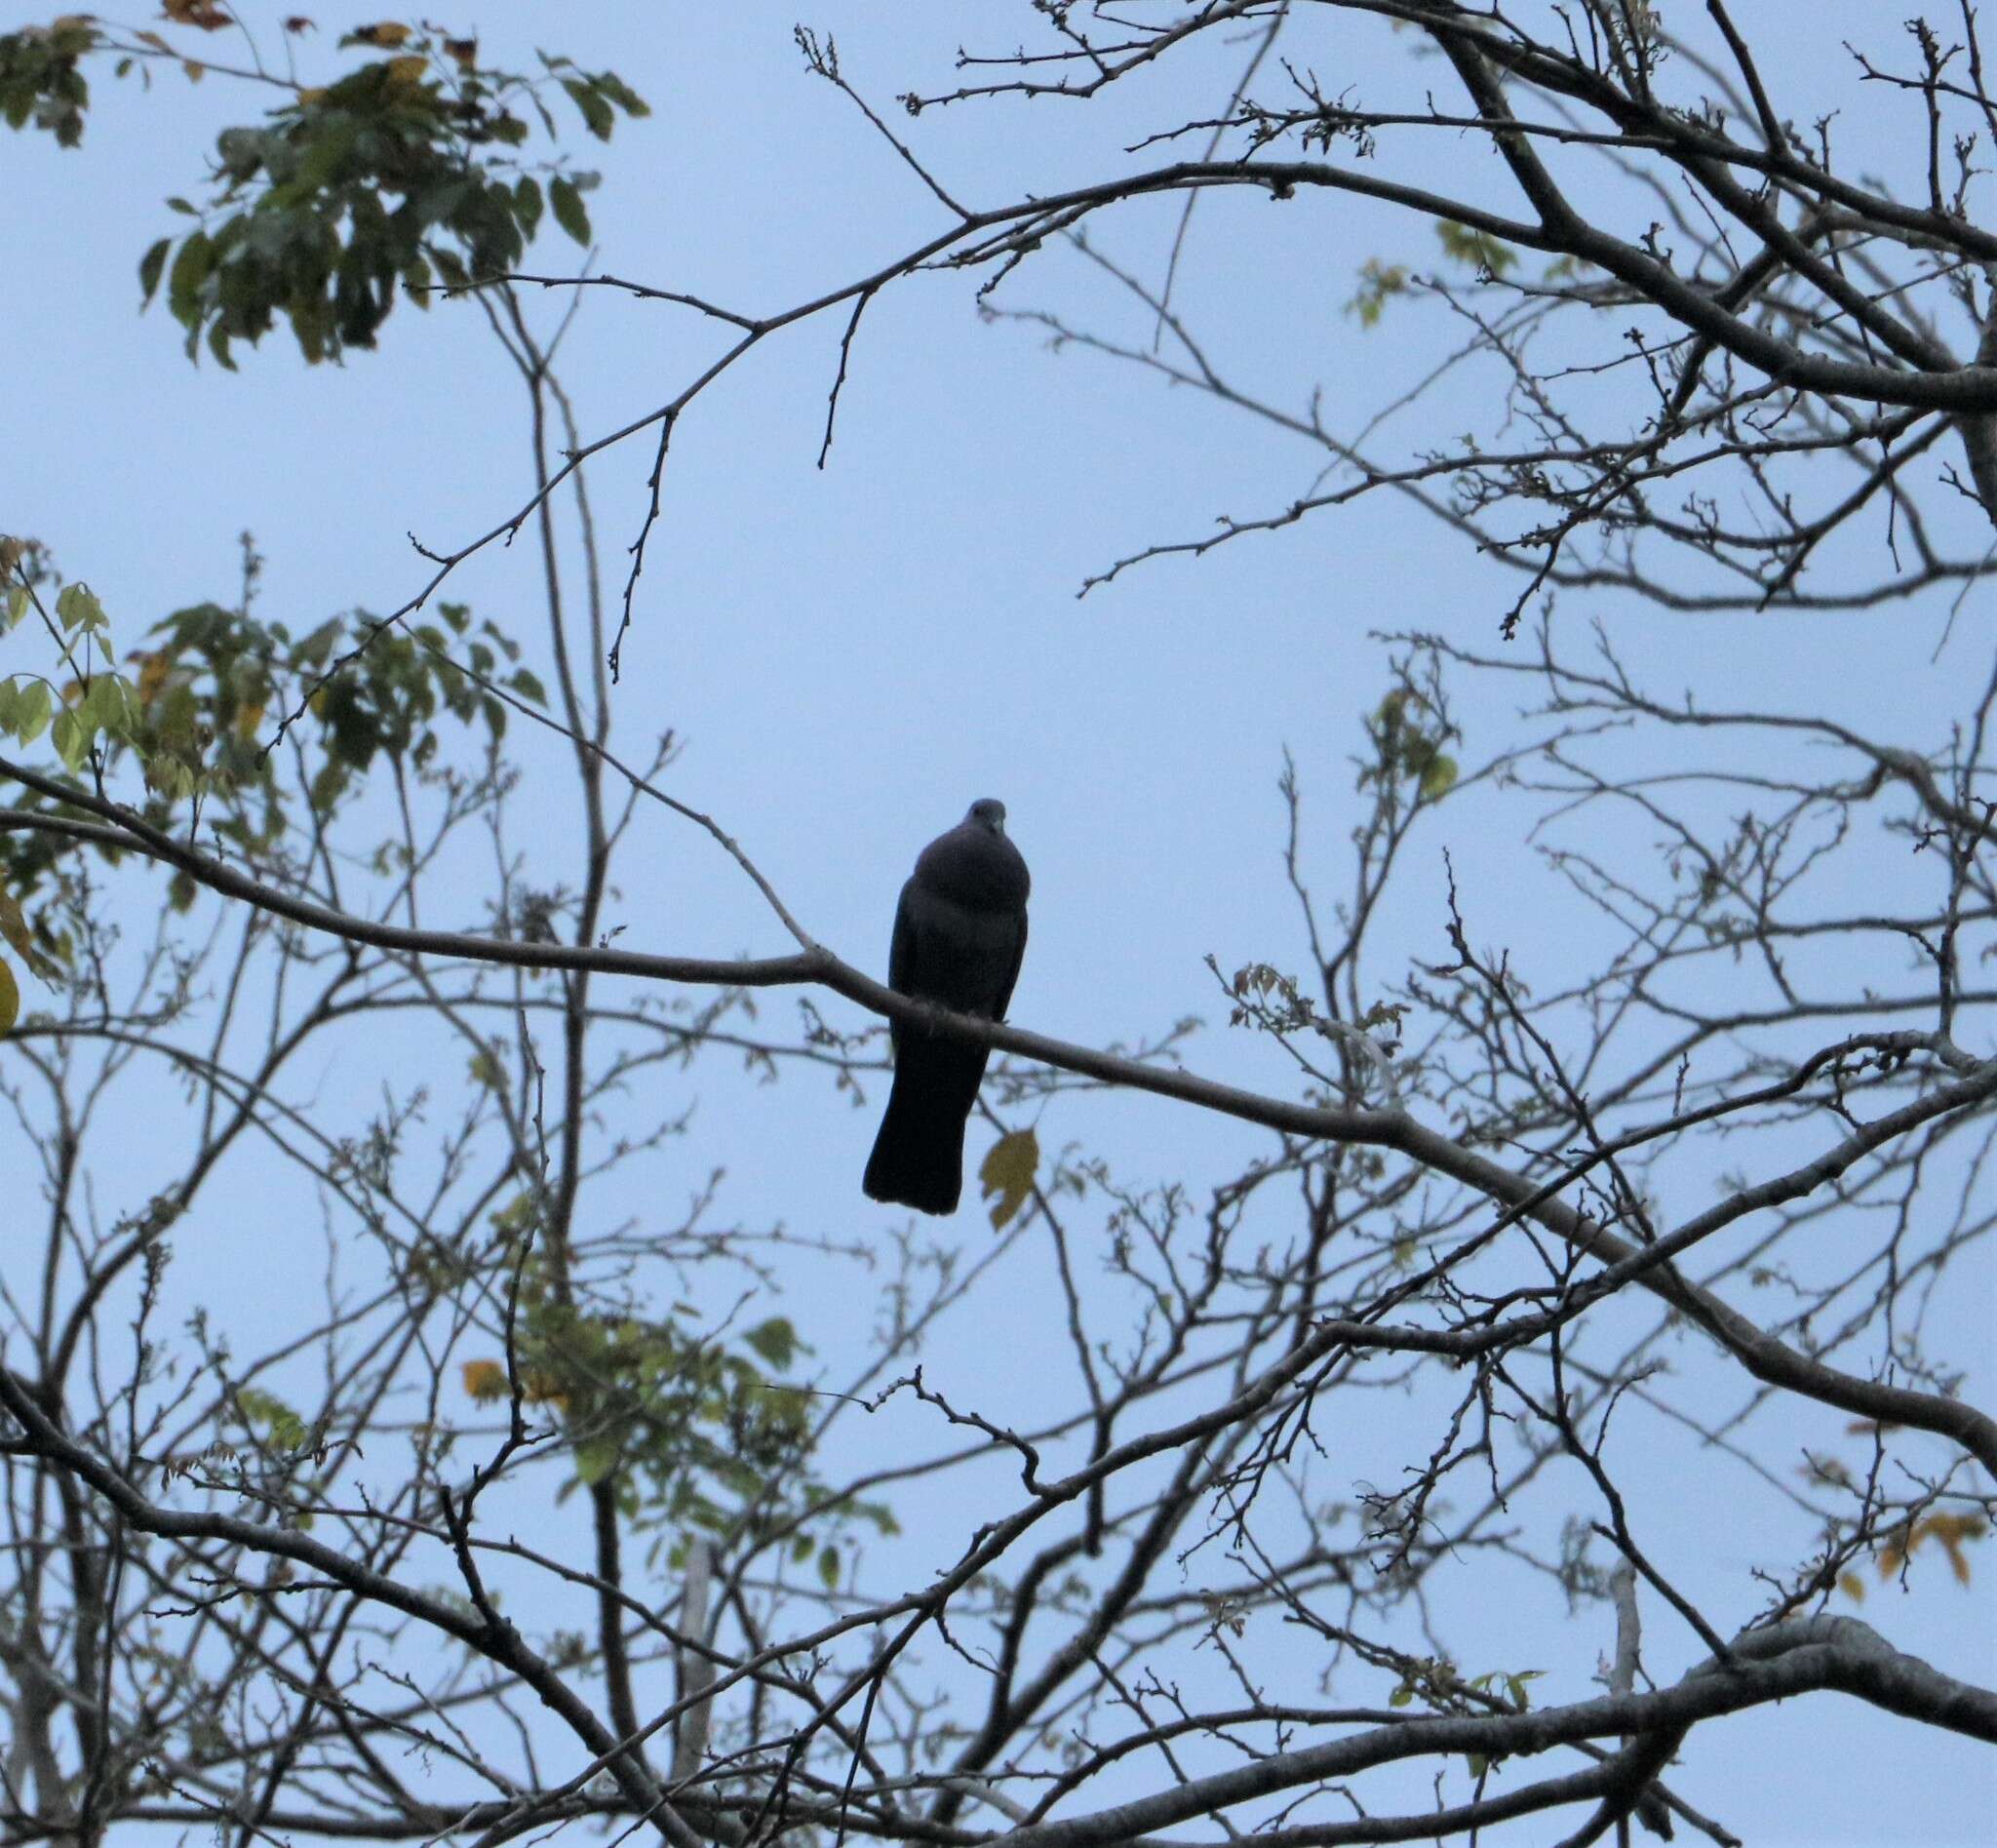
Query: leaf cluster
<point>382,182</point>
<point>188,711</point>
<point>1381,281</point>
<point>693,1431</point>
<point>1407,739</point>
<point>397,176</point>
<point>41,81</point>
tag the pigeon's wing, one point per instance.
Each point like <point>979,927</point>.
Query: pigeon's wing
<point>1012,973</point>
<point>901,956</point>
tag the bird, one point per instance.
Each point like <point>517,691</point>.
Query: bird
<point>960,935</point>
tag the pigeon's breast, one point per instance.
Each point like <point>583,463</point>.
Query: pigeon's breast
<point>975,869</point>
<point>963,955</point>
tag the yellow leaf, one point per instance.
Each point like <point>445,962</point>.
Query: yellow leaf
<point>1954,1527</point>
<point>485,1379</point>
<point>14,927</point>
<point>1852,1586</point>
<point>9,998</point>
<point>544,1388</point>
<point>1438,777</point>
<point>1008,1172</point>
<point>153,669</point>
<point>408,70</point>
<point>388,34</point>
<point>248,719</point>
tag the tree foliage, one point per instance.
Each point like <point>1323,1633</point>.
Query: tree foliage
<point>541,1513</point>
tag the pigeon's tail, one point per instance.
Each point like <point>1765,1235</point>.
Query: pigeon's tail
<point>917,1158</point>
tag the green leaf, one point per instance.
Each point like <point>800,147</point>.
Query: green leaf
<point>776,1340</point>
<point>828,1566</point>
<point>529,687</point>
<point>1007,1172</point>
<point>1402,1695</point>
<point>327,786</point>
<point>151,266</point>
<point>71,738</point>
<point>31,712</point>
<point>1477,250</point>
<point>528,203</point>
<point>1438,777</point>
<point>283,1427</point>
<point>77,608</point>
<point>109,706</point>
<point>1515,1685</point>
<point>566,204</point>
<point>596,1460</point>
<point>324,154</point>
<point>191,268</point>
<point>1377,282</point>
<point>9,998</point>
<point>610,84</point>
<point>596,113</point>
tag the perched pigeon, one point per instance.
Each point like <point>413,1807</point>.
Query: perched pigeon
<point>960,932</point>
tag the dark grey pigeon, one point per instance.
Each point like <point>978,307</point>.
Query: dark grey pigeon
<point>960,932</point>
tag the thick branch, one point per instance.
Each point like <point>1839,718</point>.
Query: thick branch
<point>1766,1357</point>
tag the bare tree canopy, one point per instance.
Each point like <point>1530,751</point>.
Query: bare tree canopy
<point>1677,290</point>
<point>1535,1333</point>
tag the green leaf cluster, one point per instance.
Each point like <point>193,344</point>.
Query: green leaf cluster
<point>1378,284</point>
<point>1479,250</point>
<point>395,178</point>
<point>279,1428</point>
<point>1379,281</point>
<point>692,1432</point>
<point>1407,739</point>
<point>40,82</point>
<point>197,708</point>
<point>86,713</point>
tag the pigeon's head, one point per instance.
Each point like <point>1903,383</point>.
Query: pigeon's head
<point>988,813</point>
